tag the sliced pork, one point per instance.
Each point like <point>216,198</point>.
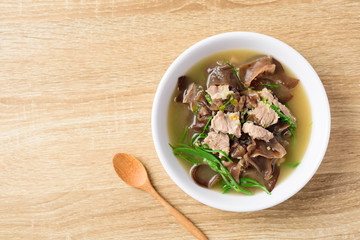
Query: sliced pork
<point>219,92</point>
<point>264,115</point>
<point>227,123</point>
<point>218,141</point>
<point>257,131</point>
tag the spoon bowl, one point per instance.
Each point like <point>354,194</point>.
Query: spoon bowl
<point>130,170</point>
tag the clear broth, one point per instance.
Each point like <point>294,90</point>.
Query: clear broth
<point>179,115</point>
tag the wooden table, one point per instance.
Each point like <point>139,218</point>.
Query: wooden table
<point>77,84</point>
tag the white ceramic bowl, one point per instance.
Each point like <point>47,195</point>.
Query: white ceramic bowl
<point>319,109</point>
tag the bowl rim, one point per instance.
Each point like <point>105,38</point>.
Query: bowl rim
<point>196,192</point>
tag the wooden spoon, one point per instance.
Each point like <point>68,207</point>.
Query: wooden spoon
<point>132,172</point>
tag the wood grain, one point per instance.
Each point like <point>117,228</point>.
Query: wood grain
<point>77,84</point>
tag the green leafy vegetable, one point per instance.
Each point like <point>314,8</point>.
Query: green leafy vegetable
<point>182,155</point>
<point>226,188</point>
<point>208,98</point>
<point>207,124</point>
<point>197,137</point>
<point>213,162</point>
<point>270,85</point>
<point>248,182</point>
<point>217,151</point>
<point>186,158</point>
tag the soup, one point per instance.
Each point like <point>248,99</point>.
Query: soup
<point>239,121</point>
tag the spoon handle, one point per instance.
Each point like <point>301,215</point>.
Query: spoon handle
<point>180,217</point>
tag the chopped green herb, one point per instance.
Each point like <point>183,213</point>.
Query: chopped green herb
<point>208,98</point>
<point>222,107</point>
<point>234,102</point>
<point>199,136</point>
<point>270,85</point>
<point>235,71</point>
<point>243,113</point>
<point>196,109</point>
<point>207,124</point>
<point>290,164</point>
<point>231,136</point>
<point>291,130</point>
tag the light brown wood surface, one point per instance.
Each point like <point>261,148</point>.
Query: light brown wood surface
<point>77,84</point>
